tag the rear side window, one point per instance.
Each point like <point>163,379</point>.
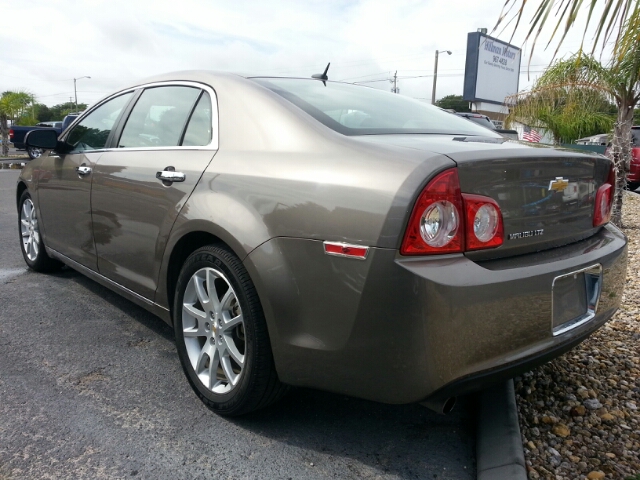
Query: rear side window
<point>635,137</point>
<point>159,117</point>
<point>199,129</point>
<point>93,131</point>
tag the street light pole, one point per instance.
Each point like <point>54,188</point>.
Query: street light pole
<point>75,91</point>
<point>435,76</point>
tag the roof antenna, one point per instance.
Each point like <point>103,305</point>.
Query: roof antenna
<point>322,76</point>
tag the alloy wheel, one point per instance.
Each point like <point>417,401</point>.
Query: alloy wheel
<point>29,230</point>
<point>213,330</point>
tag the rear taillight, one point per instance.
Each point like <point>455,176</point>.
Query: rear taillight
<point>11,134</point>
<point>444,220</point>
<point>483,222</point>
<point>604,200</point>
<point>434,226</point>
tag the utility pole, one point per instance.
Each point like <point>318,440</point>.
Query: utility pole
<point>435,78</point>
<point>435,75</point>
<point>75,92</point>
<point>395,88</point>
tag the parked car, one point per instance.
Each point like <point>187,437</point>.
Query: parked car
<point>18,133</point>
<point>486,122</point>
<point>328,235</point>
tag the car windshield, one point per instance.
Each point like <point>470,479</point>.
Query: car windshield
<point>357,110</point>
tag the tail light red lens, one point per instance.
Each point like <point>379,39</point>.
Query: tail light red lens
<point>444,220</point>
<point>484,228</point>
<point>11,134</point>
<point>434,226</point>
<point>604,200</point>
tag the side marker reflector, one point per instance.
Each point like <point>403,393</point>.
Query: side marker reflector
<point>346,250</point>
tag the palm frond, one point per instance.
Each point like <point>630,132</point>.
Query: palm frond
<point>618,16</point>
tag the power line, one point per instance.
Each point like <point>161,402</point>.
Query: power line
<point>431,75</point>
<point>363,76</point>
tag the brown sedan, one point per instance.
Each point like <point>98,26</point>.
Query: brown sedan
<point>314,233</point>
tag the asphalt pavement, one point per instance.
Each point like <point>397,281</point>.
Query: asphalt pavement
<point>91,387</point>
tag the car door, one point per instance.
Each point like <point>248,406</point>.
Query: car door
<point>140,186</point>
<point>64,185</point>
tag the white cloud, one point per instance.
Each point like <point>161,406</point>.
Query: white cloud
<point>118,41</point>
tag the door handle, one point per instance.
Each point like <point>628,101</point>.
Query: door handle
<point>171,175</point>
<point>83,170</point>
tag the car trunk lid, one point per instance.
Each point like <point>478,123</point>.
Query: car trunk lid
<point>546,195</point>
<point>545,201</point>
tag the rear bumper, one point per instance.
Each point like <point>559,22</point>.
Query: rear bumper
<point>399,330</point>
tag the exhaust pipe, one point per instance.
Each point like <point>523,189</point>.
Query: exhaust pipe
<point>440,406</point>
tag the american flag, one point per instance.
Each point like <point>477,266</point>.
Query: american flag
<point>530,135</point>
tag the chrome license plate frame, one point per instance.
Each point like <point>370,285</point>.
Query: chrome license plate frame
<point>582,287</point>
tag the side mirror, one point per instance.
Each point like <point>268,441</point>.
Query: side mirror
<point>47,139</point>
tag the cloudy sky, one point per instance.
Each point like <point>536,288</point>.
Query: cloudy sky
<point>44,44</point>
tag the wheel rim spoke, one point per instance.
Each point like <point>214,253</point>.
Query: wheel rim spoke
<point>232,377</point>
<point>211,288</point>
<point>194,312</point>
<point>233,350</point>
<point>202,294</point>
<point>233,322</point>
<point>226,299</point>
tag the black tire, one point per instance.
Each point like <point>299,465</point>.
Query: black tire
<point>257,385</point>
<point>31,242</point>
<point>34,152</point>
<point>633,186</point>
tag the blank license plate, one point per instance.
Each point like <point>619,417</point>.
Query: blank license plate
<point>575,298</point>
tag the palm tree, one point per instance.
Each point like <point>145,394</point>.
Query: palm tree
<point>619,80</point>
<point>566,113</point>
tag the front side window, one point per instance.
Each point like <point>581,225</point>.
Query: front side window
<point>93,131</point>
<point>159,117</point>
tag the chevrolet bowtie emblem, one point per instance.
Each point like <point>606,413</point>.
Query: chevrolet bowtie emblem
<point>559,184</point>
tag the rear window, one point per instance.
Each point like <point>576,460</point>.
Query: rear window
<point>484,121</point>
<point>357,110</point>
<point>635,137</point>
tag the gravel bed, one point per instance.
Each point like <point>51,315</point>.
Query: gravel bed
<point>579,414</point>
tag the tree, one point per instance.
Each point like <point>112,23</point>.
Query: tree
<point>43,113</point>
<point>567,112</point>
<point>12,106</point>
<point>454,102</point>
<point>620,79</point>
<point>59,111</point>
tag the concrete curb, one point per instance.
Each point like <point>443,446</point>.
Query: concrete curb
<point>499,453</point>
